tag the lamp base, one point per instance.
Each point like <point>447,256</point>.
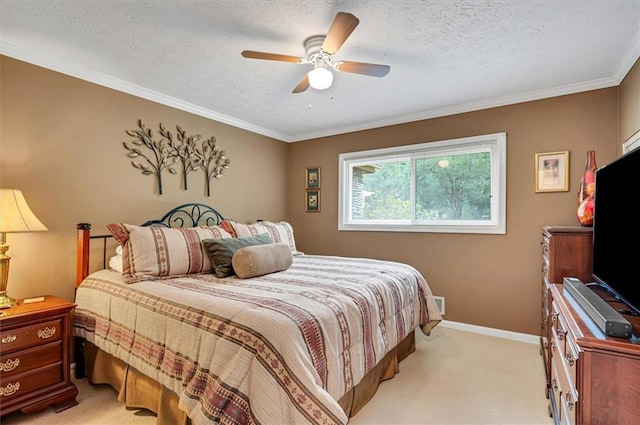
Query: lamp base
<point>7,301</point>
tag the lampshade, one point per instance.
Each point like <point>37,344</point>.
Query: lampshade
<point>15,214</point>
<point>320,78</point>
<point>15,217</point>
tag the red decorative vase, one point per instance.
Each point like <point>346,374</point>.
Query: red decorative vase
<point>586,200</point>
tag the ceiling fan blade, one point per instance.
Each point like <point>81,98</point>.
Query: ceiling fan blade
<point>302,85</point>
<point>272,56</point>
<point>341,28</point>
<point>371,69</point>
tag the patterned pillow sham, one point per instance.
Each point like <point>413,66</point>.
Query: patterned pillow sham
<point>155,252</point>
<point>221,251</point>
<point>280,232</point>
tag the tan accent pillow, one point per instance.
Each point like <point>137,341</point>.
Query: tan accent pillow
<point>280,232</point>
<point>258,260</point>
<point>156,252</point>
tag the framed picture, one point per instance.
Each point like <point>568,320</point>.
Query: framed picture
<point>552,171</point>
<point>312,201</point>
<point>313,178</point>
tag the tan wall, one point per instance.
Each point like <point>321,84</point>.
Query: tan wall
<point>488,280</point>
<point>62,146</point>
<point>629,117</point>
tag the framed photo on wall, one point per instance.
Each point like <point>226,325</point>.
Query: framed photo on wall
<point>312,201</point>
<point>312,176</point>
<point>552,171</point>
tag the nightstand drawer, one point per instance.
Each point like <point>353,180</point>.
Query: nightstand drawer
<point>14,387</point>
<point>23,361</point>
<point>29,336</point>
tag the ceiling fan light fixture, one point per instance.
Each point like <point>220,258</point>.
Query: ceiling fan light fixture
<point>320,78</point>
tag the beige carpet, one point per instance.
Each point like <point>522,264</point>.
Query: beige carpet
<point>472,379</point>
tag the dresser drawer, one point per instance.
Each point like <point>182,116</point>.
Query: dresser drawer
<point>23,361</point>
<point>560,324</point>
<point>15,386</point>
<point>30,336</point>
<point>567,409</point>
<point>558,335</point>
<point>554,391</point>
<point>567,396</point>
<point>571,354</point>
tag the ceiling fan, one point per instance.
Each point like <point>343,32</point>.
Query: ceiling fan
<point>319,52</point>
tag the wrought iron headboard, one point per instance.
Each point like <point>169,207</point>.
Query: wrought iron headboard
<point>188,215</point>
<point>185,215</point>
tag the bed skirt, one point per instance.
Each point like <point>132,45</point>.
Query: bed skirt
<point>138,391</point>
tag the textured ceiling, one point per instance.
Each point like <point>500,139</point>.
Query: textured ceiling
<point>445,56</point>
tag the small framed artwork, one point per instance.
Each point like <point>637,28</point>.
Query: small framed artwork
<point>552,171</point>
<point>312,201</point>
<point>313,178</point>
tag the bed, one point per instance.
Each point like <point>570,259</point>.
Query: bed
<point>302,339</point>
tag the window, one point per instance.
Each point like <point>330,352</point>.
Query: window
<point>453,186</point>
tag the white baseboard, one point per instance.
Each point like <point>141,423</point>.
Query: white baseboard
<point>515,336</point>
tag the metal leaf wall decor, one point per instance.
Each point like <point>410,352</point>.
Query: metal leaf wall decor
<point>188,153</point>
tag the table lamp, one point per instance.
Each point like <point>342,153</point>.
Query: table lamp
<point>15,217</point>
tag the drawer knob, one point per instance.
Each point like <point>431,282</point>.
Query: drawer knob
<point>10,364</point>
<point>9,389</point>
<point>9,338</point>
<point>570,402</point>
<point>570,359</point>
<point>46,332</point>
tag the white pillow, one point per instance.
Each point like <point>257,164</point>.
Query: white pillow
<point>115,263</point>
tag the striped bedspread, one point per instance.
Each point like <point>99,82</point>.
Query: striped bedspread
<point>276,349</point>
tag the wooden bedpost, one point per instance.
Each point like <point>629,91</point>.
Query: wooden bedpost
<point>82,264</point>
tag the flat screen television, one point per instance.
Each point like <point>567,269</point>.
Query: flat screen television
<point>616,235</point>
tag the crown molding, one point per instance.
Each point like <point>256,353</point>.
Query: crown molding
<point>74,70</point>
<point>64,67</point>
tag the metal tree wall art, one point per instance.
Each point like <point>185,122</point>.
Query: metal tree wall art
<point>183,150</point>
<point>212,161</point>
<point>188,151</point>
<point>157,160</point>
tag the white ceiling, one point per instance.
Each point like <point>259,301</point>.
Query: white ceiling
<point>445,56</point>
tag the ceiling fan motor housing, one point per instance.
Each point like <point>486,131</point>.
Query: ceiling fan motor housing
<point>313,46</point>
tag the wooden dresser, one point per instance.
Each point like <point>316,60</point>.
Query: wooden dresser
<point>566,252</point>
<point>35,343</point>
<point>592,378</point>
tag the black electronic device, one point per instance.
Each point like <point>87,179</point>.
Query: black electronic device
<point>608,320</point>
<point>616,258</point>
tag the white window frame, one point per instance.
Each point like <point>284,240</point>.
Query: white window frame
<point>495,143</point>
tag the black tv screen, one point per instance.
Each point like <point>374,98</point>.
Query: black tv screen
<point>616,234</point>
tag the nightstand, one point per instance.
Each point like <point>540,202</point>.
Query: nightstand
<point>35,344</point>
